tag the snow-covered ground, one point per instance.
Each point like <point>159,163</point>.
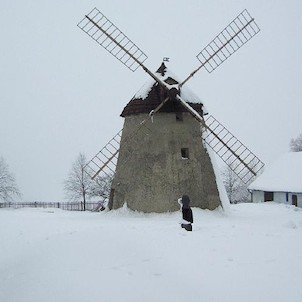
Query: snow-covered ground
<point>253,253</point>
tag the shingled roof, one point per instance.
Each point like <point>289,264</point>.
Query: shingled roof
<point>152,94</point>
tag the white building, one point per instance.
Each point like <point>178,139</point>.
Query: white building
<point>281,181</point>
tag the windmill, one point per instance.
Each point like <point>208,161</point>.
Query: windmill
<point>165,146</point>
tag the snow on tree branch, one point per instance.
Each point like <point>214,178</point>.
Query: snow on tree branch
<point>296,144</point>
<point>8,186</point>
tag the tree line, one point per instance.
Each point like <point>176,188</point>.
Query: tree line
<point>78,186</point>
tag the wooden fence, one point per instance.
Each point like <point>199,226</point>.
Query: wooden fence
<point>69,206</point>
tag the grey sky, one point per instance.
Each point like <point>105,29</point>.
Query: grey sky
<point>62,94</point>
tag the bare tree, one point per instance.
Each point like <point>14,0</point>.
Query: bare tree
<point>237,191</point>
<point>79,185</point>
<point>8,186</point>
<point>295,144</point>
<point>101,187</point>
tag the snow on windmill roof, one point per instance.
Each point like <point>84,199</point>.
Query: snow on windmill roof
<point>284,175</point>
<point>151,94</point>
<point>167,76</point>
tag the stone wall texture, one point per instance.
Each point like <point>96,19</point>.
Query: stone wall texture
<point>151,173</point>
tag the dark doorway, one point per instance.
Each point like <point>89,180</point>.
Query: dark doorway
<point>268,196</point>
<point>294,200</point>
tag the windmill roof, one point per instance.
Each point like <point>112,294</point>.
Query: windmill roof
<point>284,175</point>
<point>151,94</point>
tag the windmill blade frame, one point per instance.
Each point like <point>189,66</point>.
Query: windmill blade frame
<point>105,33</point>
<point>239,158</point>
<point>227,42</point>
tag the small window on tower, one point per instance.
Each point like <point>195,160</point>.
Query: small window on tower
<point>179,116</point>
<point>184,153</point>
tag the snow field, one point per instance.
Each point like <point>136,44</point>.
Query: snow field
<point>252,253</point>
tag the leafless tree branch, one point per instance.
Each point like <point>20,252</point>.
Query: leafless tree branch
<point>8,186</point>
<point>295,144</point>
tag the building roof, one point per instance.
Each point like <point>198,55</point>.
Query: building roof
<point>284,175</point>
<point>152,94</point>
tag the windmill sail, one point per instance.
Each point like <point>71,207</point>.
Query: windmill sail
<point>105,33</point>
<point>244,163</point>
<point>105,161</point>
<point>233,37</point>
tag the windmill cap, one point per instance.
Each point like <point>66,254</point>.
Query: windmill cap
<point>152,94</point>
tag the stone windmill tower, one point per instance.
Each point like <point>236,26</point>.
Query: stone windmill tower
<point>167,154</point>
<point>163,149</point>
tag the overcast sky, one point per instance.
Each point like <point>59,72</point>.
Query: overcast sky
<point>62,94</point>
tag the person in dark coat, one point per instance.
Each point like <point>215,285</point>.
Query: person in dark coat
<point>187,214</point>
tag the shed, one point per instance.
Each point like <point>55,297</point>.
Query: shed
<point>280,182</point>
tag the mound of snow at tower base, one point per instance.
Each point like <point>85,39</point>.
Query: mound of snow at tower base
<point>252,253</point>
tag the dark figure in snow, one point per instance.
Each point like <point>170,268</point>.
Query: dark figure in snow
<point>187,214</point>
